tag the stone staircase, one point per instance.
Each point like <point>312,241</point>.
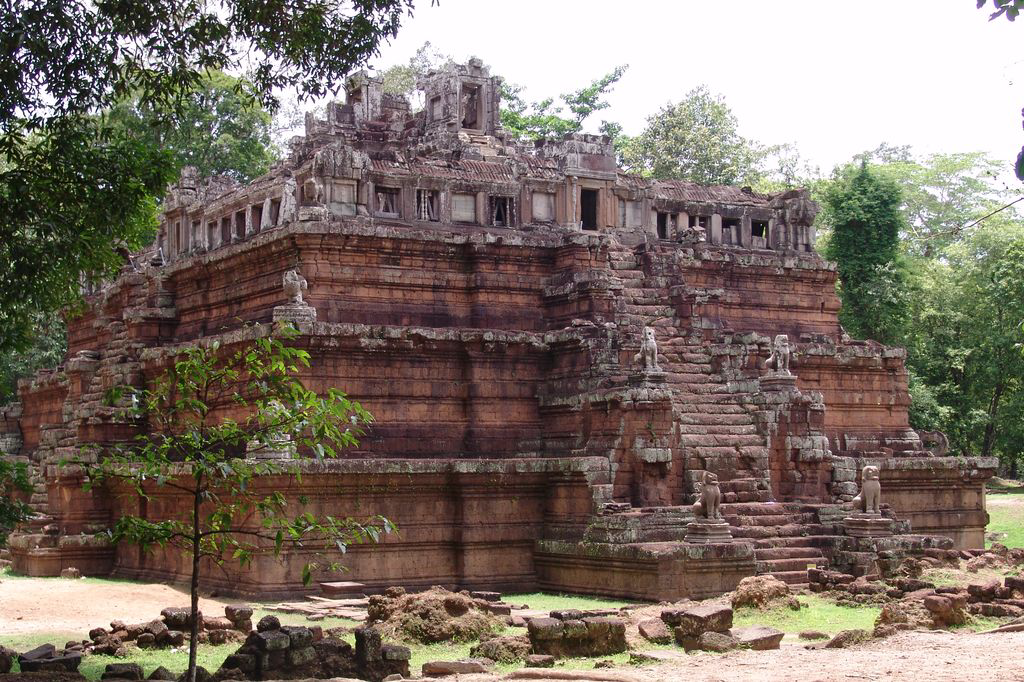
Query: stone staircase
<point>719,434</point>
<point>787,537</point>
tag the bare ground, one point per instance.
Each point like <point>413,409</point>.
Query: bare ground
<point>31,605</point>
<point>47,605</point>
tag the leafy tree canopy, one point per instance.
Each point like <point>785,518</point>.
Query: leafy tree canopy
<point>546,119</point>
<point>14,486</point>
<point>696,139</point>
<point>218,129</point>
<point>75,190</point>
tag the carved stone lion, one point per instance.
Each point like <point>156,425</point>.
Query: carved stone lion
<point>647,358</point>
<point>870,498</point>
<point>294,285</point>
<point>779,359</point>
<point>710,502</point>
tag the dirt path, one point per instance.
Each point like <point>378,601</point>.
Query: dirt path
<point>29,605</point>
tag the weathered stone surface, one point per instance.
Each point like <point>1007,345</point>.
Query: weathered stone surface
<point>272,640</point>
<point>761,591</point>
<point>812,635</point>
<point>719,642</point>
<point>848,638</point>
<point>268,623</point>
<point>122,671</point>
<point>508,649</point>
<point>161,673</point>
<point>540,661</point>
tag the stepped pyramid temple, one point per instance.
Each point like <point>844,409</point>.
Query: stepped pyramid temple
<point>556,354</point>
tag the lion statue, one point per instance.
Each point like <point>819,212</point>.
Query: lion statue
<point>779,359</point>
<point>294,285</point>
<point>869,500</point>
<point>709,505</point>
<point>647,358</point>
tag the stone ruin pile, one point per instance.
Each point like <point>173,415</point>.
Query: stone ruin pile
<point>172,629</point>
<point>274,651</point>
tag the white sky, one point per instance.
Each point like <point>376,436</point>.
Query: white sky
<point>835,78</point>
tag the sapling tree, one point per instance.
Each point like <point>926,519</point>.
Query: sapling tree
<point>212,423</point>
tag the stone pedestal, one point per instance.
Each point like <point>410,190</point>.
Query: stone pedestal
<point>292,312</point>
<point>648,378</point>
<point>867,526</point>
<point>778,381</point>
<point>707,531</point>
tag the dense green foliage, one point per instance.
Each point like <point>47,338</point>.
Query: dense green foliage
<point>217,129</point>
<point>48,343</point>
<point>76,191</point>
<point>919,270</point>
<point>211,461</point>
<point>14,485</point>
<point>863,209</point>
<point>696,139</point>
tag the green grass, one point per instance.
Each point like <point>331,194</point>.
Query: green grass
<point>1006,515</point>
<point>553,602</point>
<point>821,615</point>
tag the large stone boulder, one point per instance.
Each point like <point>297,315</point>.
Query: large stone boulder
<point>122,671</point>
<point>436,615</point>
<point>655,630</point>
<point>693,621</point>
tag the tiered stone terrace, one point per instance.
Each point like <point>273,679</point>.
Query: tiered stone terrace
<point>484,299</point>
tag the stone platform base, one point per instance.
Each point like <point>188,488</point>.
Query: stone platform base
<point>705,532</point>
<point>867,526</point>
<point>653,571</point>
<point>41,556</point>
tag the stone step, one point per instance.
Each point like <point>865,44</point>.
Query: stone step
<point>718,429</point>
<point>792,577</point>
<point>801,542</point>
<point>775,566</point>
<point>770,520</point>
<point>346,589</point>
<point>775,553</point>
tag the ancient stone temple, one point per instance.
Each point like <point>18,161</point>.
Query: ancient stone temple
<point>558,356</point>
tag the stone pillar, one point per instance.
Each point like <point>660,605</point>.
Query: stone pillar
<point>716,229</point>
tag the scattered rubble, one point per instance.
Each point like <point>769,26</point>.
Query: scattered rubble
<point>505,649</point>
<point>276,652</point>
<point>48,658</point>
<point>437,615</point>
<point>763,592</point>
<point>171,630</point>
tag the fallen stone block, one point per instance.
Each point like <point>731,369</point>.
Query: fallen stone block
<point>718,642</point>
<point>122,671</point>
<point>655,630</point>
<point>656,656</point>
<point>758,637</point>
<point>540,661</point>
<point>443,668</point>
<point>847,638</point>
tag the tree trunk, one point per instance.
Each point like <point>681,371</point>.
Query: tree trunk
<point>990,429</point>
<point>193,647</point>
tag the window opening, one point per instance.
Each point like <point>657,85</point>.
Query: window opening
<point>470,106</point>
<point>730,231</point>
<point>387,202</point>
<point>275,211</point>
<point>256,214</point>
<point>240,225</point>
<point>502,211</point>
<point>427,201</point>
<point>225,230</point>
<point>588,208</point>
<point>662,225</point>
